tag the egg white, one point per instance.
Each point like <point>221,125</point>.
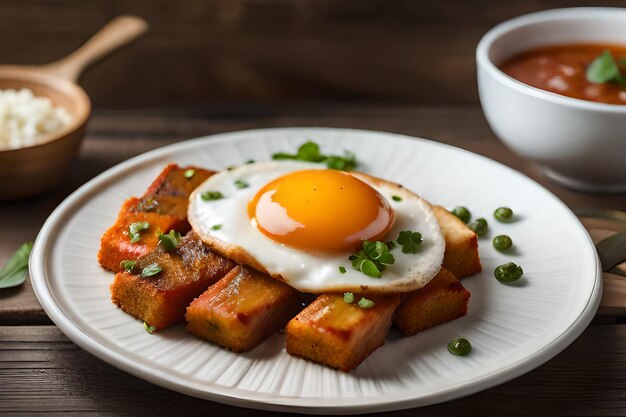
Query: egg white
<point>238,239</point>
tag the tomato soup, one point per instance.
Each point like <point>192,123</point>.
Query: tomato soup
<point>562,69</point>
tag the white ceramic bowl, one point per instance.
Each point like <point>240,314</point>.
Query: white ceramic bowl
<point>580,144</point>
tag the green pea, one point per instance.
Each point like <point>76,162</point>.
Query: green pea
<point>479,226</point>
<point>459,347</point>
<point>508,272</point>
<point>462,213</point>
<point>502,242</point>
<point>503,214</point>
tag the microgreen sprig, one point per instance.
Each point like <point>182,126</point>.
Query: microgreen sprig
<point>151,270</point>
<point>128,265</point>
<point>148,328</point>
<point>134,230</point>
<point>372,258</point>
<point>170,241</point>
<point>409,241</point>
<point>310,152</point>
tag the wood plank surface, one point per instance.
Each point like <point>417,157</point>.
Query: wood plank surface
<point>200,51</point>
<point>114,136</point>
<point>43,373</point>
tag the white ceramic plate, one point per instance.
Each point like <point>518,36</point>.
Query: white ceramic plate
<point>513,328</point>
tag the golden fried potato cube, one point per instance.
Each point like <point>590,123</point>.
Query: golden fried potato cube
<point>160,300</point>
<point>163,207</point>
<point>242,309</point>
<point>338,334</point>
<point>461,257</point>
<point>115,244</point>
<point>169,192</point>
<point>444,299</point>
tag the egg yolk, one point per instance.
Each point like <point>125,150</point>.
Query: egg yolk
<point>320,210</point>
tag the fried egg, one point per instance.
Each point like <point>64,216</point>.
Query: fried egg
<point>300,222</point>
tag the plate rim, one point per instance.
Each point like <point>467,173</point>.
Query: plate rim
<point>271,402</point>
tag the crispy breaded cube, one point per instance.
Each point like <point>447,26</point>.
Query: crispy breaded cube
<point>164,206</point>
<point>444,299</point>
<point>461,256</point>
<point>160,300</point>
<point>338,334</point>
<point>169,192</point>
<point>242,309</point>
<point>115,244</point>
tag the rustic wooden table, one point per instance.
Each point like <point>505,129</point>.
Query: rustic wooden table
<point>42,372</point>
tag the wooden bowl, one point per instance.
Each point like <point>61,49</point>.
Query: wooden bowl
<point>33,169</point>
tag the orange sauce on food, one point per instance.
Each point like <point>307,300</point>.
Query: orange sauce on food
<point>561,69</point>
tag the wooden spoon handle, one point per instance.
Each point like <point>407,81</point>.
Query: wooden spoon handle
<point>115,34</point>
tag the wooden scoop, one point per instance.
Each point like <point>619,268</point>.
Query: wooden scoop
<point>33,169</point>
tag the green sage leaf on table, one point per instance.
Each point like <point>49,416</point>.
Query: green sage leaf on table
<point>14,271</point>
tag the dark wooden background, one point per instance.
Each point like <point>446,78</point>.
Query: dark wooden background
<point>211,66</point>
<point>207,51</point>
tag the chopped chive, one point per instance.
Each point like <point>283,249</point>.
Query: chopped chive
<point>189,173</point>
<point>396,198</point>
<point>211,195</point>
<point>342,269</point>
<point>128,265</point>
<point>134,230</point>
<point>241,184</point>
<point>216,227</point>
<point>148,328</point>
<point>365,303</point>
<point>348,297</point>
<point>250,161</point>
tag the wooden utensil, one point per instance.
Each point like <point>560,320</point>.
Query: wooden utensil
<point>33,169</point>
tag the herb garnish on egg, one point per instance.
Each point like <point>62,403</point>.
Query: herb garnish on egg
<point>310,152</point>
<point>301,223</point>
<point>409,241</point>
<point>211,195</point>
<point>372,259</point>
